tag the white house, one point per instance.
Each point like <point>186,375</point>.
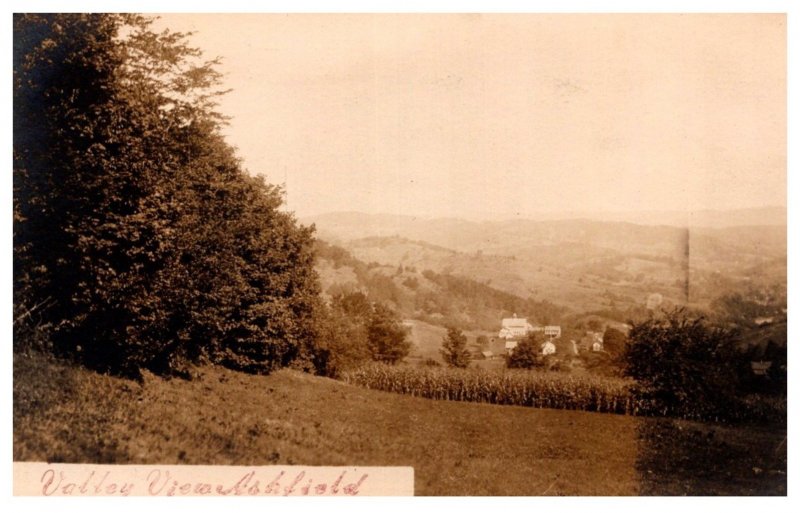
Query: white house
<point>548,348</point>
<point>514,327</point>
<point>552,331</point>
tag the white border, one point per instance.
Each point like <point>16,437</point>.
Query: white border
<point>390,505</point>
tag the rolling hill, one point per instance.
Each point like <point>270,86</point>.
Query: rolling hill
<point>577,263</point>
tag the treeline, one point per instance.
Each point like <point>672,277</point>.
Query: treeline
<point>478,299</point>
<point>139,240</point>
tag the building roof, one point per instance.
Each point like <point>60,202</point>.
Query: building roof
<point>515,322</point>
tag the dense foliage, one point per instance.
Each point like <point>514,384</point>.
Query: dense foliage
<point>527,354</point>
<point>134,223</point>
<point>614,341</point>
<point>454,348</point>
<point>352,330</point>
<point>387,339</point>
<point>690,368</point>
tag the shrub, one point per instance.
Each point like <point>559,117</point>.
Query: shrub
<point>527,354</point>
<point>340,342</point>
<point>614,341</point>
<point>685,365</point>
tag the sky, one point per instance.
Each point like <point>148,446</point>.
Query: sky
<point>479,116</point>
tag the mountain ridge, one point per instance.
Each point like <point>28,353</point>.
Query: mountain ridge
<point>705,218</point>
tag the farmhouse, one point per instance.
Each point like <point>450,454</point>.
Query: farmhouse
<point>515,327</point>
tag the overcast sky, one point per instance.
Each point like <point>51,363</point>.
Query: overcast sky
<point>499,115</point>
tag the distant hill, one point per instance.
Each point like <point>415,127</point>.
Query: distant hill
<point>764,216</point>
<point>357,224</point>
<point>427,295</point>
<point>585,265</point>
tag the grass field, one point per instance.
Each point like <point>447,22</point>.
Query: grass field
<point>68,414</point>
<point>426,341</point>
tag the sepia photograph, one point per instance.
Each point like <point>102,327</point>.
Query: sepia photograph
<point>351,254</point>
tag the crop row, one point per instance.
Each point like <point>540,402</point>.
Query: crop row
<point>509,387</point>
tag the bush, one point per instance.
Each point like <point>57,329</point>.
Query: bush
<point>689,368</point>
<point>614,342</point>
<point>527,354</point>
<point>340,342</point>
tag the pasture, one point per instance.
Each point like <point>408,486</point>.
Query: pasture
<point>68,414</point>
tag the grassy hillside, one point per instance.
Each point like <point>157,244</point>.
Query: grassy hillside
<point>68,414</point>
<point>426,340</point>
<point>422,294</point>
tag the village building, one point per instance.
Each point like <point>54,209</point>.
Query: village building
<point>552,331</point>
<point>548,348</point>
<point>515,327</point>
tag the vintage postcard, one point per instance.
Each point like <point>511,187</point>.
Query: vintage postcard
<point>400,254</point>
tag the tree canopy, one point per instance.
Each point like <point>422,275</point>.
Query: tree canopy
<point>133,218</point>
<point>454,348</point>
<point>527,354</point>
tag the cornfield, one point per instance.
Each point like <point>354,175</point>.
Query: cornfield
<point>509,387</point>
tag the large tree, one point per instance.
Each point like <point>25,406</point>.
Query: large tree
<point>454,348</point>
<point>387,339</point>
<point>134,221</point>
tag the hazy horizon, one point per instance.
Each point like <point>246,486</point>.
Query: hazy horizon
<point>504,116</point>
<point>567,214</point>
